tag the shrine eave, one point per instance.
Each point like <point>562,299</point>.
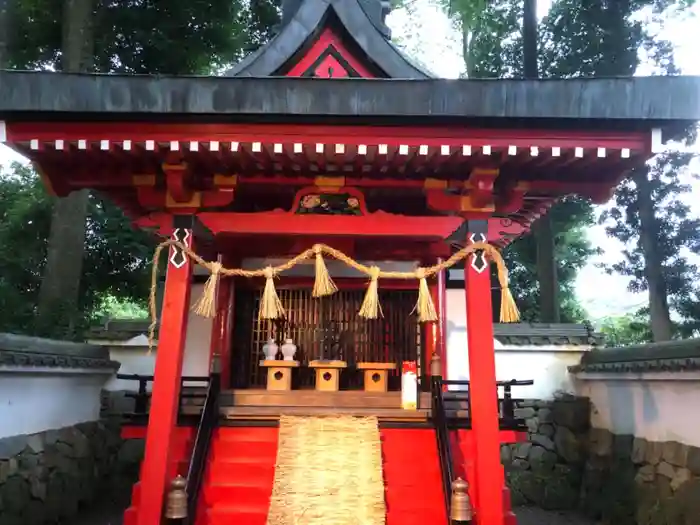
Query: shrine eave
<point>640,103</point>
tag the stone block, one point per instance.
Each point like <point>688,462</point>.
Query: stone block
<point>694,460</point>
<point>675,453</point>
<point>654,450</point>
<point>681,476</point>
<point>573,413</point>
<point>541,460</point>
<point>567,445</point>
<point>600,442</point>
<point>622,447</point>
<point>11,446</point>
<point>36,443</point>
<point>532,424</point>
<point>15,494</point>
<point>506,455</point>
<point>525,412</point>
<point>544,415</point>
<point>646,474</point>
<point>522,450</point>
<point>520,464</point>
<point>543,441</point>
<point>639,450</point>
<point>546,429</point>
<point>666,470</point>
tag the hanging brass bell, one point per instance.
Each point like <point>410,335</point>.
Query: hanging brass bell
<point>176,504</point>
<point>461,511</point>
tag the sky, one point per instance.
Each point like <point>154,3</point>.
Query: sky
<point>428,34</point>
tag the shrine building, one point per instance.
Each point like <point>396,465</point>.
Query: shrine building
<point>312,201</point>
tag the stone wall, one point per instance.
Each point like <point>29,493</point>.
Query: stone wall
<point>632,481</point>
<point>48,476</point>
<point>546,470</point>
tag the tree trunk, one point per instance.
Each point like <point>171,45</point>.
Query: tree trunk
<point>59,296</point>
<point>649,232</point>
<point>4,33</point>
<point>542,229</point>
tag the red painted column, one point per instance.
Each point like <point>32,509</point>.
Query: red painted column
<point>441,307</point>
<point>488,476</point>
<point>226,306</point>
<point>162,420</point>
<point>431,333</point>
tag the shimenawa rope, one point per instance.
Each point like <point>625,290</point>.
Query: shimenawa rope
<point>271,306</point>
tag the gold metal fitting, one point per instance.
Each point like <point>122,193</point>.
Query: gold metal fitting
<point>176,504</point>
<point>461,507</point>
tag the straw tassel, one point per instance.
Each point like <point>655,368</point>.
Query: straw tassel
<point>323,285</point>
<point>270,304</point>
<point>206,305</point>
<point>424,307</point>
<point>509,310</point>
<point>371,309</point>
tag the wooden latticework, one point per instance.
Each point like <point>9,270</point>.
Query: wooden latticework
<point>329,328</point>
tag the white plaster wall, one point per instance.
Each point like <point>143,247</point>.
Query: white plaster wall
<point>37,399</point>
<point>654,406</point>
<point>198,340</point>
<point>547,367</point>
<point>135,359</point>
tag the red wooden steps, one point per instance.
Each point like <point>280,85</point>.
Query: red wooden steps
<point>412,476</point>
<point>239,478</point>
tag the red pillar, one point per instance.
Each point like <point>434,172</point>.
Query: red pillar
<point>488,476</point>
<point>162,420</point>
<point>441,306</point>
<point>226,307</point>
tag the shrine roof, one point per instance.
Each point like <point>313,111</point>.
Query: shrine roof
<point>604,103</point>
<point>363,20</point>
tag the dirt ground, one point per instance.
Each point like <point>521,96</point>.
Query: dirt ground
<point>526,516</point>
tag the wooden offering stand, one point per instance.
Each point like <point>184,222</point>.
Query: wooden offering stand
<point>376,375</point>
<point>279,374</point>
<point>328,374</point>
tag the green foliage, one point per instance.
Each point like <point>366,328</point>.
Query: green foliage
<point>625,329</point>
<point>117,257</point>
<point>132,36</point>
<point>148,37</point>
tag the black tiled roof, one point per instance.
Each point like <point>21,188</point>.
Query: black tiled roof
<point>668,356</point>
<point>541,334</point>
<point>19,350</point>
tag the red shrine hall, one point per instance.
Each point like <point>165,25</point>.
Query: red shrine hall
<point>329,135</point>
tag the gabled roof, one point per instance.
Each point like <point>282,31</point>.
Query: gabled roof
<point>362,20</point>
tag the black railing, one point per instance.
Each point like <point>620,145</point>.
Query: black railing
<point>451,410</point>
<point>458,409</point>
<point>207,423</point>
<point>142,396</point>
<point>442,434</point>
